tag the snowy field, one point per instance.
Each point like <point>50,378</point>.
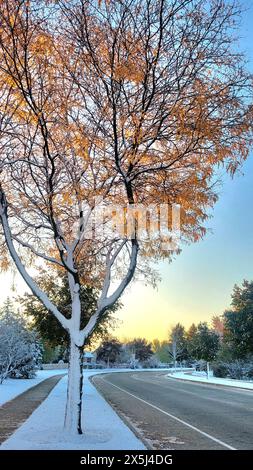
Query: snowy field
<point>10,388</point>
<point>44,429</point>
<point>201,377</point>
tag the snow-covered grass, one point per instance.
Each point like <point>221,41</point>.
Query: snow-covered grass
<point>201,377</point>
<point>11,388</point>
<point>104,430</point>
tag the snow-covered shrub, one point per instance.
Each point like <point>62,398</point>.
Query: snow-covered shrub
<point>20,351</point>
<point>250,372</point>
<point>236,370</point>
<point>200,365</point>
<point>220,369</point>
<point>233,370</point>
<point>151,363</point>
<point>31,361</point>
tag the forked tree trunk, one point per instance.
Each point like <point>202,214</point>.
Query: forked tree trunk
<point>73,414</point>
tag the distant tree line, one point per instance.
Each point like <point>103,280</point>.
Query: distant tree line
<point>132,352</point>
<point>227,343</point>
<point>199,342</point>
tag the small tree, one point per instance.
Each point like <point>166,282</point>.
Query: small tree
<point>177,343</point>
<point>238,322</point>
<point>204,343</point>
<point>20,352</point>
<point>140,348</point>
<point>109,351</point>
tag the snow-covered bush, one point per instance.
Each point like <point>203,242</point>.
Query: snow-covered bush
<point>151,363</point>
<point>220,369</point>
<point>237,369</point>
<point>201,365</point>
<point>250,372</point>
<point>20,351</point>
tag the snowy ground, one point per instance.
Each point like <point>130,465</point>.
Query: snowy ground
<point>10,388</point>
<point>201,377</point>
<point>44,429</point>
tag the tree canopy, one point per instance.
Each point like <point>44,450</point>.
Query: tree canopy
<point>177,343</point>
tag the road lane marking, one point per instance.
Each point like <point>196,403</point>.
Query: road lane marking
<point>172,416</point>
<point>187,392</point>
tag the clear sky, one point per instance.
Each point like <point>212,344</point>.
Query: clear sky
<point>198,283</point>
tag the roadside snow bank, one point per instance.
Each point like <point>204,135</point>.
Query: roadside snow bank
<point>199,377</point>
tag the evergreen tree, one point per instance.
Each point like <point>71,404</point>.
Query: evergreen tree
<point>203,343</point>
<point>238,322</point>
<point>20,349</point>
<point>50,330</point>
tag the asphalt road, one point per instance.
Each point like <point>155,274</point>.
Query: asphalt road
<point>171,414</point>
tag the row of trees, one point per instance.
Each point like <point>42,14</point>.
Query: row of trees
<point>137,350</point>
<point>196,343</point>
<point>227,343</point>
<point>229,338</point>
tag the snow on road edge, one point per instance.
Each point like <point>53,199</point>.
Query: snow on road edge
<point>212,380</point>
<point>11,388</point>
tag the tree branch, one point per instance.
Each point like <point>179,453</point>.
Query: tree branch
<point>21,268</point>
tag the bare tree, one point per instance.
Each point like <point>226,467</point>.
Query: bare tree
<point>177,346</point>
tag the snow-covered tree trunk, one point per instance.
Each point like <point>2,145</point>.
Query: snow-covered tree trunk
<point>73,413</point>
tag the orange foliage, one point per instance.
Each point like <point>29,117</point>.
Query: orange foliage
<point>109,101</point>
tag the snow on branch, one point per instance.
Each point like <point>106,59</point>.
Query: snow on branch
<point>37,253</point>
<point>104,301</point>
<point>21,268</point>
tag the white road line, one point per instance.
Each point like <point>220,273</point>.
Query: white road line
<point>172,416</point>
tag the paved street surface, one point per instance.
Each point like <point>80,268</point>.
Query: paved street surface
<point>170,414</point>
